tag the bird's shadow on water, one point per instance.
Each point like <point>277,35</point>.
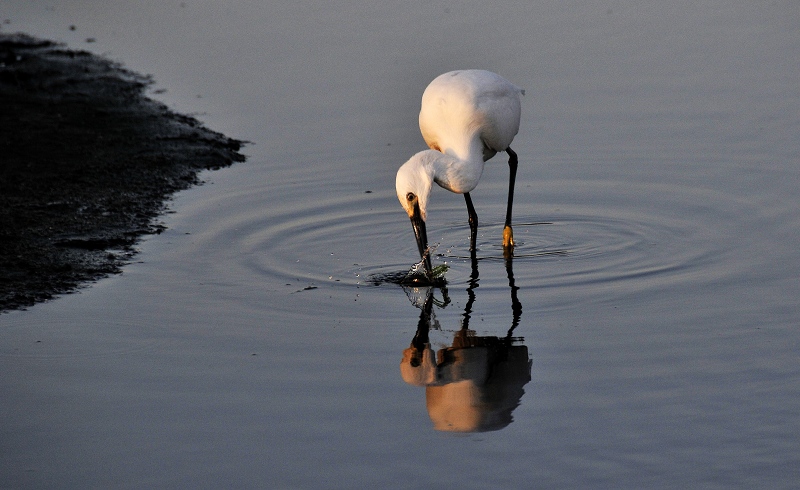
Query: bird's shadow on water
<point>475,384</point>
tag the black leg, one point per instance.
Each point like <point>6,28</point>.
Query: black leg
<point>508,234</point>
<point>473,222</point>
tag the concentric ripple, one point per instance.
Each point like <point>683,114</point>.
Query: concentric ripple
<point>613,239</point>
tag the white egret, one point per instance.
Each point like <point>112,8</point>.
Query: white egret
<point>467,116</point>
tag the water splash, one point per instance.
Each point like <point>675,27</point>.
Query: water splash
<point>419,276</point>
<point>416,276</point>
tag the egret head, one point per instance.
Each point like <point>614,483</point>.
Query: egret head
<point>413,185</point>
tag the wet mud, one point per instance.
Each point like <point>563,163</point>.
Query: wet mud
<point>87,163</point>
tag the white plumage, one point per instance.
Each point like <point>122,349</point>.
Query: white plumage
<point>467,116</point>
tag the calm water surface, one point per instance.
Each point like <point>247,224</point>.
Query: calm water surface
<point>645,335</point>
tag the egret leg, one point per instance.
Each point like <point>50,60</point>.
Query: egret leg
<point>473,222</point>
<point>508,233</point>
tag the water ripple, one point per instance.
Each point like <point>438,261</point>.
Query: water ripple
<point>617,239</point>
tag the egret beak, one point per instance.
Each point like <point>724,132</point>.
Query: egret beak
<point>422,238</point>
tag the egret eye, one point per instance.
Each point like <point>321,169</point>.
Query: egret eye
<point>410,196</point>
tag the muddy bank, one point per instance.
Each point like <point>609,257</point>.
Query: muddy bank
<point>86,165</point>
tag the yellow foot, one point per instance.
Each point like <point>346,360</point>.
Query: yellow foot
<point>508,238</point>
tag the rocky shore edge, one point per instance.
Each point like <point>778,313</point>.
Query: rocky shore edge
<point>87,163</point>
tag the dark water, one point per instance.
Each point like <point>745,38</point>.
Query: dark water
<point>643,336</point>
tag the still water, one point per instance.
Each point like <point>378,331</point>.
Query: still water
<point>644,335</point>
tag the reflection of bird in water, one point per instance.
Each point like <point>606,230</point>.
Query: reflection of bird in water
<point>466,117</point>
<point>475,384</point>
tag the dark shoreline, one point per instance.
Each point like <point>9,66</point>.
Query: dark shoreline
<point>87,163</point>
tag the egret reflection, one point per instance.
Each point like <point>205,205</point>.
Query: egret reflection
<point>475,384</point>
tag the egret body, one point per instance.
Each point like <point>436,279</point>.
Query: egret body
<point>467,116</point>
